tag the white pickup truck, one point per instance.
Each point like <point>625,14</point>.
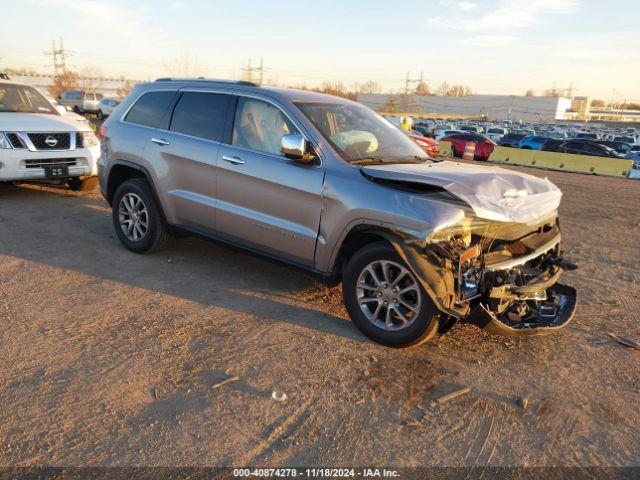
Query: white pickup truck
<point>40,144</point>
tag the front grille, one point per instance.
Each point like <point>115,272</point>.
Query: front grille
<point>50,141</point>
<point>79,140</point>
<point>49,162</point>
<point>15,140</point>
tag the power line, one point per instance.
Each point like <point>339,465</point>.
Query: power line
<point>59,58</point>
<point>249,72</point>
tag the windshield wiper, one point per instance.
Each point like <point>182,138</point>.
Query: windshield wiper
<point>387,160</point>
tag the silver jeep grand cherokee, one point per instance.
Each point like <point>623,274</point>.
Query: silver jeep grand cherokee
<point>326,184</point>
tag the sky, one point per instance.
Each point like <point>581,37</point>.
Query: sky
<point>493,46</point>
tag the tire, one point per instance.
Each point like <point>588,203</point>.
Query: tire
<point>424,323</point>
<point>76,109</point>
<point>77,184</point>
<point>156,234</point>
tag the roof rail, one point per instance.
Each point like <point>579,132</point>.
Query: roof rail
<point>212,80</point>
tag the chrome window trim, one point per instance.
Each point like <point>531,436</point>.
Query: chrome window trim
<point>223,91</point>
<point>269,101</point>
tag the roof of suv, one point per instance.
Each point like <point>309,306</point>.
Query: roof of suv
<point>290,94</point>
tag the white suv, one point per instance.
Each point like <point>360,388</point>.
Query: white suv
<point>38,144</point>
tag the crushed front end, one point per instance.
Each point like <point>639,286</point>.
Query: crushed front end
<point>500,276</point>
<point>511,285</point>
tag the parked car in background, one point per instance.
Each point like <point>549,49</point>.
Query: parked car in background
<point>496,133</point>
<point>511,140</point>
<point>626,139</point>
<point>80,101</point>
<point>620,147</point>
<point>551,145</point>
<point>470,128</point>
<point>587,147</point>
<point>484,146</point>
<point>428,145</point>
<point>422,130</point>
<point>635,156</point>
<point>533,142</point>
<point>39,144</point>
<point>445,133</point>
<point>107,106</point>
<point>586,136</point>
<point>558,135</point>
<point>323,183</point>
<point>525,132</point>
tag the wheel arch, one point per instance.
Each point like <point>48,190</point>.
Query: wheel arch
<point>123,170</point>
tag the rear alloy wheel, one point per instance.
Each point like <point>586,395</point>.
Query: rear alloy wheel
<point>385,299</point>
<point>137,219</point>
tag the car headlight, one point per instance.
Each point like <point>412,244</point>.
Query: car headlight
<point>89,139</point>
<point>4,142</point>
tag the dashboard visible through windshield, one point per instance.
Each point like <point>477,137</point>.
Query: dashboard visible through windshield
<point>359,134</point>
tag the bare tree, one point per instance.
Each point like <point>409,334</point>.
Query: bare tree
<point>453,90</point>
<point>185,66</point>
<point>124,89</point>
<point>369,88</point>
<point>90,79</point>
<point>336,88</point>
<point>423,89</point>
<point>530,93</point>
<point>597,103</point>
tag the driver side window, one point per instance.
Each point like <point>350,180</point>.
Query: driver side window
<point>260,126</point>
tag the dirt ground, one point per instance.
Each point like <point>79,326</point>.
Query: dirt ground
<point>112,358</point>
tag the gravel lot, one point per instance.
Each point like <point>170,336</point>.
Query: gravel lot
<point>111,358</point>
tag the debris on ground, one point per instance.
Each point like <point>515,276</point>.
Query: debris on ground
<point>523,402</point>
<point>225,381</point>
<point>172,260</point>
<point>155,393</point>
<point>625,341</point>
<point>454,394</point>
<point>279,397</point>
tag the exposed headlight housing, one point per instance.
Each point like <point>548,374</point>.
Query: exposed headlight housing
<point>4,142</point>
<point>86,139</point>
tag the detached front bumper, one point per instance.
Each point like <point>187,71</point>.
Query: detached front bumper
<point>540,318</point>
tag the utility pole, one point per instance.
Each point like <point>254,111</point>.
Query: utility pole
<point>59,58</point>
<point>409,81</point>
<point>249,71</point>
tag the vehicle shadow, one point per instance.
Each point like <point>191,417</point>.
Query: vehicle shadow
<point>73,231</point>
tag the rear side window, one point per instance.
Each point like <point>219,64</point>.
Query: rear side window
<point>201,115</point>
<point>150,108</point>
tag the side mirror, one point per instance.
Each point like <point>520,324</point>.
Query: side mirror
<point>294,146</point>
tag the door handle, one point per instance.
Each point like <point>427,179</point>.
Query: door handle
<point>234,160</point>
<point>160,141</point>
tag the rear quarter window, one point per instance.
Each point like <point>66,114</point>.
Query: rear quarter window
<point>150,108</point>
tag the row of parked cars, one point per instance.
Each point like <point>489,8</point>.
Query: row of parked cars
<point>80,101</point>
<point>317,182</point>
<point>611,143</point>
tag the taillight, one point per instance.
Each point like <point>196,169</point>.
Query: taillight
<point>102,131</point>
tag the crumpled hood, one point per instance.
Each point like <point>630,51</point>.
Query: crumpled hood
<point>40,122</point>
<point>493,193</point>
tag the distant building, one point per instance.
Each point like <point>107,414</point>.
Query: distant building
<point>499,107</point>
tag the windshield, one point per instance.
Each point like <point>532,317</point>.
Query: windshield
<point>358,133</point>
<point>23,99</point>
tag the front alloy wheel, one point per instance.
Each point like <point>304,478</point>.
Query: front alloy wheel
<point>388,294</point>
<point>385,299</point>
